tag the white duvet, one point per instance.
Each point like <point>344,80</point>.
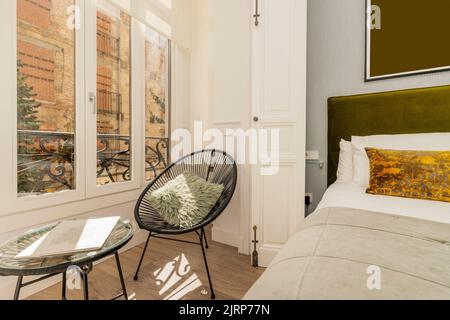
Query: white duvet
<point>347,195</point>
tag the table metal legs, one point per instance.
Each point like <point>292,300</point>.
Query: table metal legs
<point>84,276</point>
<point>64,284</point>
<point>85,270</point>
<point>18,287</point>
<point>88,269</point>
<point>122,280</point>
<point>20,284</point>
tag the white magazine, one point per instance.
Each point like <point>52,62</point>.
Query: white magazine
<point>71,237</point>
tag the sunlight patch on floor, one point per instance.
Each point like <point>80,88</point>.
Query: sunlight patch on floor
<point>173,272</point>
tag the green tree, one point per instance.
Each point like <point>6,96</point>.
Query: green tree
<point>161,102</point>
<point>27,106</point>
<point>155,119</point>
<point>27,119</point>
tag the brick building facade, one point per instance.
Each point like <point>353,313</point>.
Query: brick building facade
<point>113,72</point>
<point>156,83</point>
<point>46,49</point>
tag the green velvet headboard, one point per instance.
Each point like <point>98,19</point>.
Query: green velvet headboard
<point>397,112</point>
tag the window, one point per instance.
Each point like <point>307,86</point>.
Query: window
<point>157,102</point>
<point>113,94</point>
<point>80,129</point>
<point>45,98</point>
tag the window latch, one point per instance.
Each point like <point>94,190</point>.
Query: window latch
<point>93,100</point>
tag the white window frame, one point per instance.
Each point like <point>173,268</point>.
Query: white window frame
<point>92,189</point>
<point>11,202</point>
<point>87,189</point>
<point>142,38</point>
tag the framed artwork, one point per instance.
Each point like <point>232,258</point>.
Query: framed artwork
<point>407,37</point>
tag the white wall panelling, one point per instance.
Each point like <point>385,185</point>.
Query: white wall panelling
<point>279,101</point>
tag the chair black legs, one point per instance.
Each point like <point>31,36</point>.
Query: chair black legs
<point>203,243</point>
<point>203,237</point>
<point>142,257</point>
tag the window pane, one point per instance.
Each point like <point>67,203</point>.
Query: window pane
<point>157,91</point>
<point>113,94</point>
<point>45,97</point>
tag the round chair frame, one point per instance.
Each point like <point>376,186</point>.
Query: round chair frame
<point>212,165</point>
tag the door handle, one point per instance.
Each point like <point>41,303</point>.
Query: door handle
<point>255,119</point>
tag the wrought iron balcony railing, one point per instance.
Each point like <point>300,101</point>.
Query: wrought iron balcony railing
<point>110,103</point>
<point>108,45</point>
<point>46,160</point>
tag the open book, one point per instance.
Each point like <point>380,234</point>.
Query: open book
<point>71,237</point>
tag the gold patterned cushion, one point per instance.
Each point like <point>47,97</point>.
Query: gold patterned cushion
<point>410,174</point>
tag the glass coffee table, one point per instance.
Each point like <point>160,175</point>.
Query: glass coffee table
<point>52,266</point>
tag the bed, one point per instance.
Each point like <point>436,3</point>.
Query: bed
<point>347,195</point>
<point>361,246</point>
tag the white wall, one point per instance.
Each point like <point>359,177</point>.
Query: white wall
<point>336,64</point>
<point>230,108</point>
<point>181,22</point>
<point>200,65</point>
<point>220,94</point>
<point>230,39</point>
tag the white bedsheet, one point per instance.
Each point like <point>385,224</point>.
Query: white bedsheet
<point>348,195</point>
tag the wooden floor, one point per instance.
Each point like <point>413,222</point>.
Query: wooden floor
<point>231,273</point>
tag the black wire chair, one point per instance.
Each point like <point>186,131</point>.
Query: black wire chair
<point>213,166</point>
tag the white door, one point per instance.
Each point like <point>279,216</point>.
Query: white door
<point>279,102</point>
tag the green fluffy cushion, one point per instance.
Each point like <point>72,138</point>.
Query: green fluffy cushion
<point>185,201</point>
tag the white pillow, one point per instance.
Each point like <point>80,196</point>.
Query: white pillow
<point>419,142</point>
<point>361,163</point>
<point>345,167</point>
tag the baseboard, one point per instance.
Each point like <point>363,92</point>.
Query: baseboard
<point>8,284</point>
<point>267,253</point>
<point>232,239</point>
<point>244,248</point>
